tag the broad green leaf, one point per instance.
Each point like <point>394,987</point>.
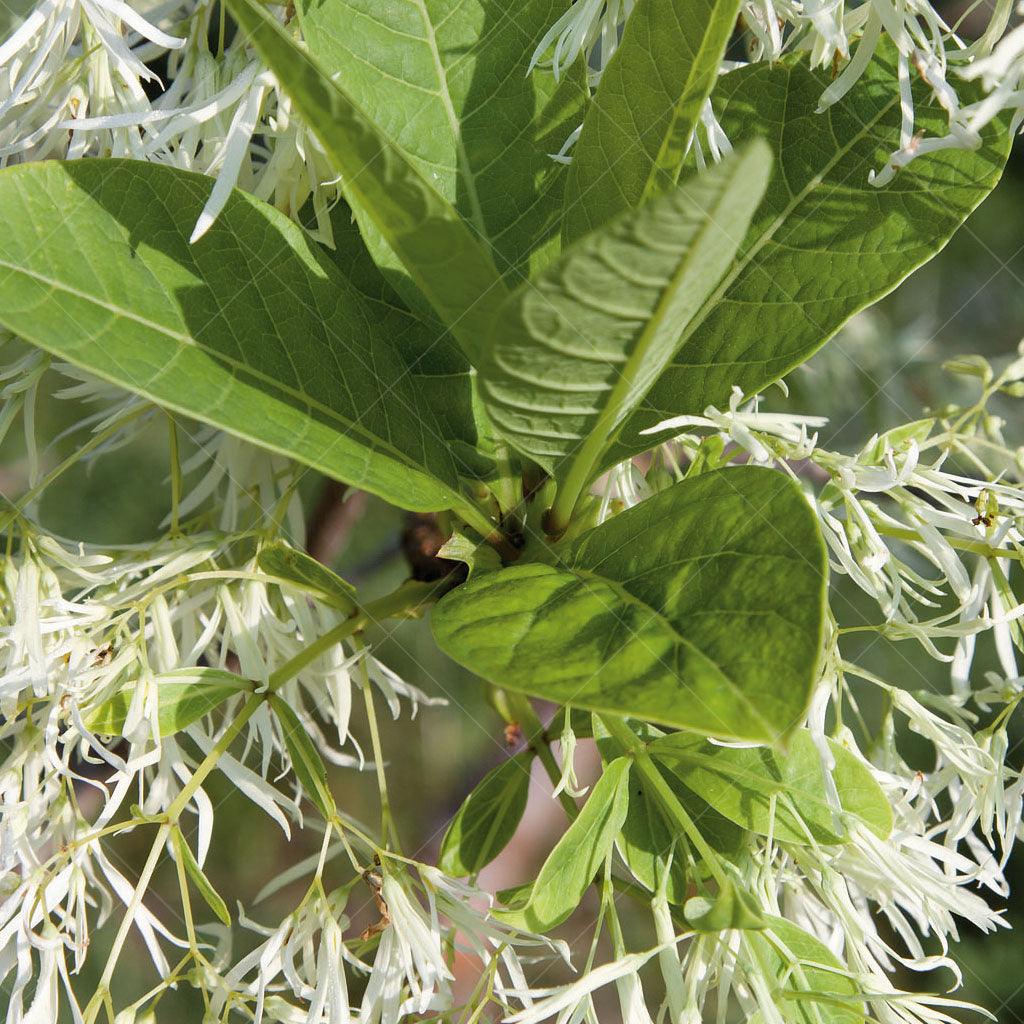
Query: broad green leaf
<point>437,366</point>
<point>825,243</point>
<point>744,783</point>
<point>203,885</point>
<point>249,329</point>
<point>450,91</point>
<point>639,126</point>
<point>488,818</point>
<point>700,608</point>
<point>573,352</point>
<point>306,761</point>
<point>730,908</point>
<point>184,695</point>
<point>299,570</point>
<point>437,247</point>
<point>578,855</point>
<point>803,964</point>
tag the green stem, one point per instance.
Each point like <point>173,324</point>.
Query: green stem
<point>533,733</point>
<point>976,547</point>
<point>655,782</point>
<point>410,597</point>
<point>172,435</point>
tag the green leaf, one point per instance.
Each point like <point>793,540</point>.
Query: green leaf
<point>730,908</point>
<point>297,569</point>
<point>480,558</point>
<point>306,760</point>
<point>648,838</point>
<point>573,352</point>
<point>450,91</point>
<point>639,126</point>
<point>436,365</point>
<point>249,329</point>
<point>741,783</point>
<point>701,608</point>
<point>488,818</point>
<point>435,244</point>
<point>578,855</point>
<point>825,243</point>
<point>801,963</point>
<point>184,695</point>
<point>203,885</point>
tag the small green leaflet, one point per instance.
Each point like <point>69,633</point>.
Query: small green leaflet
<point>825,242</point>
<point>730,908</point>
<point>203,886</point>
<point>578,855</point>
<point>479,558</point>
<point>250,329</point>
<point>451,92</point>
<point>488,818</point>
<point>701,608</point>
<point>741,783</point>
<point>803,964</point>
<point>648,839</point>
<point>184,695</point>
<point>639,126</point>
<point>573,352</point>
<point>299,570</point>
<point>306,761</point>
<point>435,245</point>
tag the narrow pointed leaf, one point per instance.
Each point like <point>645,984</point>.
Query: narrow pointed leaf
<point>825,242</point>
<point>306,761</point>
<point>488,818</point>
<point>249,329</point>
<point>651,844</point>
<point>638,128</point>
<point>184,695</point>
<point>305,573</point>
<point>452,93</point>
<point>435,244</point>
<point>573,352</point>
<point>204,887</point>
<point>782,793</point>
<point>578,855</point>
<point>701,608</point>
<point>800,963</point>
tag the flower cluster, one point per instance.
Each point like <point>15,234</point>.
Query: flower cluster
<point>127,676</point>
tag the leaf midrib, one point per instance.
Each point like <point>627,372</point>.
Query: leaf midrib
<point>187,340</point>
<point>462,170</point>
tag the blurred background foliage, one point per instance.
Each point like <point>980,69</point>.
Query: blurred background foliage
<point>883,369</point>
